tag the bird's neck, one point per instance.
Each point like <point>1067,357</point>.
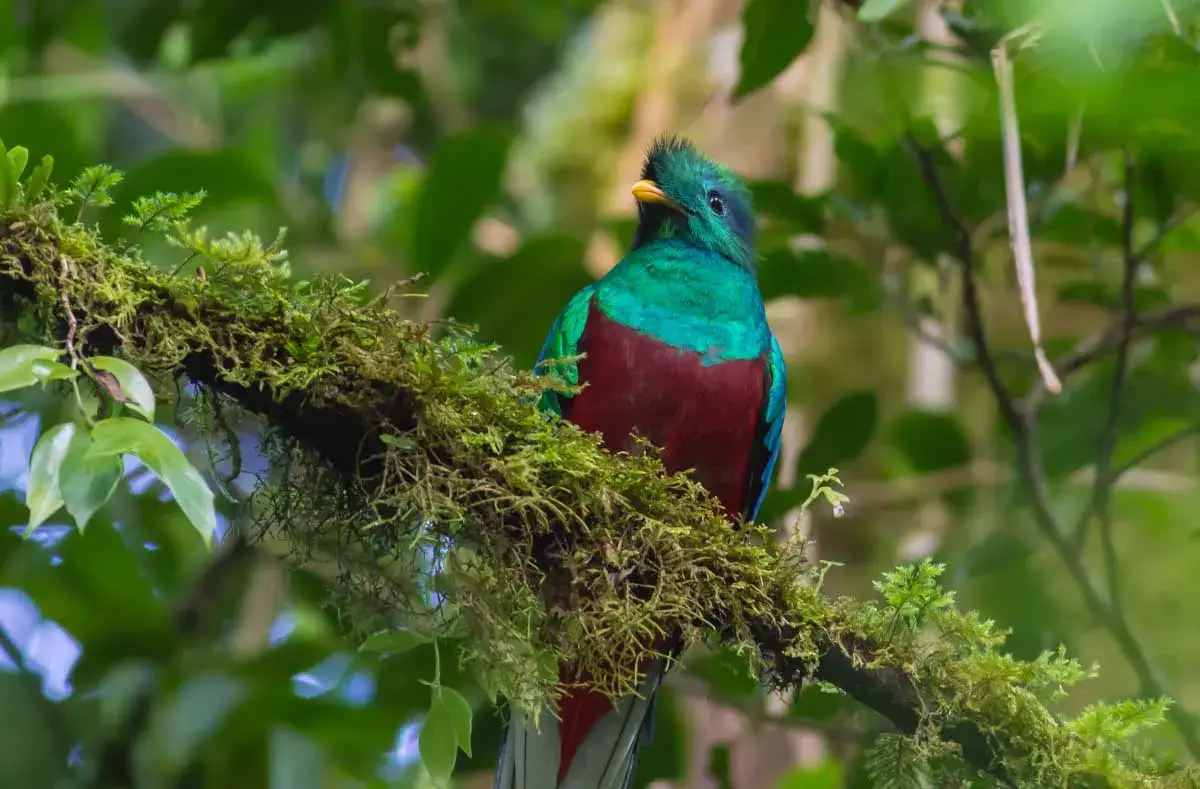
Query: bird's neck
<point>689,297</point>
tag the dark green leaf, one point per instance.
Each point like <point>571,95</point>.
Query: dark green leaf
<point>816,703</point>
<point>464,178</point>
<point>137,392</point>
<point>122,435</point>
<point>816,274</point>
<point>929,440</point>
<point>719,766</point>
<point>33,753</point>
<point>727,672</point>
<point>42,495</point>
<point>799,213</point>
<point>775,33</point>
<point>494,294</point>
<point>842,432</point>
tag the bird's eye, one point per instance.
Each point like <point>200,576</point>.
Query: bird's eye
<point>716,204</point>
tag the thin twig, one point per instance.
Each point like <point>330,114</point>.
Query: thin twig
<point>1102,489</point>
<point>962,249</point>
<point>1105,341</point>
<point>1018,212</point>
<point>1020,421</point>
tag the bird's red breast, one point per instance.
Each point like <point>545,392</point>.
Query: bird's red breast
<point>703,416</point>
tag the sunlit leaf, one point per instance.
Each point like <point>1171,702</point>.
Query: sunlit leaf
<point>37,181</point>
<point>826,775</point>
<point>42,495</point>
<point>17,365</point>
<point>875,10</point>
<point>124,435</point>
<point>459,712</point>
<point>138,394</point>
<point>49,371</point>
<point>87,481</point>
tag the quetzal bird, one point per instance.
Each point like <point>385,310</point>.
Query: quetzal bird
<point>678,350</point>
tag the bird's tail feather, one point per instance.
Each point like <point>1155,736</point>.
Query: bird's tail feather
<point>606,759</point>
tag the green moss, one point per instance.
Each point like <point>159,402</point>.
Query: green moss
<point>397,449</point>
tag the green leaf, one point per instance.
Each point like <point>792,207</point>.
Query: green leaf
<point>727,673</point>
<point>181,725</point>
<point>138,394</point>
<point>464,178</point>
<point>459,712</point>
<point>8,180</point>
<point>778,200</point>
<point>39,178</point>
<point>17,365</point>
<point>930,440</point>
<point>42,494</point>
<point>502,305</point>
<point>297,762</point>
<point>18,157</point>
<point>393,641</point>
<point>438,741</point>
<point>842,432</point>
<point>876,10</point>
<point>1148,435</point>
<point>87,481</point>
<point>124,435</point>
<point>49,371</point>
<point>817,703</point>
<point>826,775</point>
<point>776,32</point>
<point>31,726</point>
<point>817,274</point>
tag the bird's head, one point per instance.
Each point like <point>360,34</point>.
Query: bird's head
<point>684,195</point>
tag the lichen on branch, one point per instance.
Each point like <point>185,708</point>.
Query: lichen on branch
<point>412,467</point>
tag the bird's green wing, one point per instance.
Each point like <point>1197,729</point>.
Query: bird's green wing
<point>563,342</point>
<point>770,431</point>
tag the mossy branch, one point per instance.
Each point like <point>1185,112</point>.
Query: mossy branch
<point>405,457</point>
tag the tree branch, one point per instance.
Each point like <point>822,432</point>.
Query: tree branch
<point>1020,421</point>
<point>405,439</point>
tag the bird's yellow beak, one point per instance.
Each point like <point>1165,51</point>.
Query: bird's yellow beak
<point>650,192</point>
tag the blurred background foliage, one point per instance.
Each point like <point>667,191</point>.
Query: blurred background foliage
<point>521,124</point>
